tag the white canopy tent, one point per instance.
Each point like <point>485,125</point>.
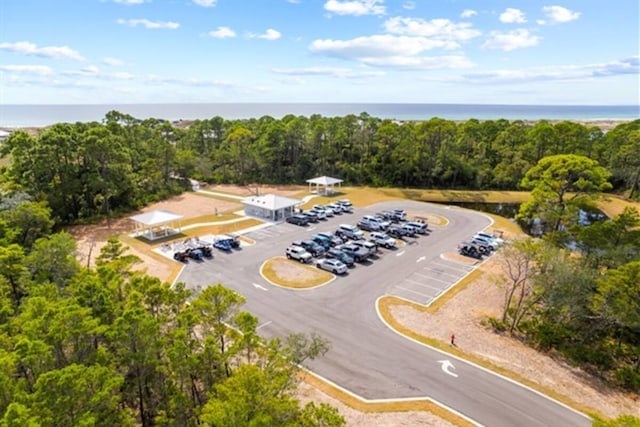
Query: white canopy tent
<point>157,224</point>
<point>324,184</point>
<point>270,206</point>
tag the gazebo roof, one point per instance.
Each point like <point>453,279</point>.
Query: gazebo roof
<point>271,201</point>
<point>324,180</point>
<point>156,217</point>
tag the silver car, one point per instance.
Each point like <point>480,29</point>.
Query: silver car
<point>333,265</point>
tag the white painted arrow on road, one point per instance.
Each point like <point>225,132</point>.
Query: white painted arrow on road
<point>445,365</point>
<point>260,287</point>
<point>422,258</point>
<point>400,253</point>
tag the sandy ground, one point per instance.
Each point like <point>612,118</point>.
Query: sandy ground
<point>463,316</point>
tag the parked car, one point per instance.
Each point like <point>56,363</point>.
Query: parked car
<point>420,227</point>
<point>401,230</point>
<point>469,249</point>
<point>346,205</point>
<point>350,232</point>
<point>223,245</point>
<point>333,239</point>
<point>333,265</point>
<point>336,208</point>
<point>382,239</point>
<point>298,220</point>
<point>382,223</point>
<point>367,225</point>
<point>234,240</point>
<point>370,247</point>
<point>312,247</point>
<point>342,256</point>
<point>490,237</point>
<point>312,217</point>
<point>298,253</point>
<point>386,215</point>
<point>357,253</point>
<point>318,208</point>
<point>322,241</point>
<point>400,214</point>
<point>483,243</point>
<point>319,212</point>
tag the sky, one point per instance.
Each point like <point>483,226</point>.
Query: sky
<point>555,52</point>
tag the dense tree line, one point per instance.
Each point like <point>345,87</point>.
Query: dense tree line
<point>577,290</point>
<point>113,347</point>
<point>89,169</point>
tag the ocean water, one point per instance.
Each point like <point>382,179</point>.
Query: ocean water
<point>44,115</point>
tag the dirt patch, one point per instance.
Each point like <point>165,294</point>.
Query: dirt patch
<point>464,315</point>
<point>292,274</point>
<point>253,190</point>
<point>90,238</point>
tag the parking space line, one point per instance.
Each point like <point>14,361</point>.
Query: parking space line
<point>425,285</point>
<point>442,273</point>
<point>414,292</point>
<point>455,267</point>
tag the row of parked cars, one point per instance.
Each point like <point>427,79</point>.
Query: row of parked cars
<point>197,250</point>
<point>340,250</point>
<point>393,223</point>
<point>482,244</point>
<point>321,212</point>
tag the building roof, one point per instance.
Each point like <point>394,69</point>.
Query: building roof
<point>158,217</point>
<point>270,201</point>
<point>324,180</point>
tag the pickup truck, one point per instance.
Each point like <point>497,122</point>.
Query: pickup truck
<point>357,253</point>
<point>298,253</point>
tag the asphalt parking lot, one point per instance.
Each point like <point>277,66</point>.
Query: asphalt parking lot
<point>367,358</point>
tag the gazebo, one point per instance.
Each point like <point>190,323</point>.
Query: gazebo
<point>326,182</point>
<point>270,207</point>
<point>157,224</point>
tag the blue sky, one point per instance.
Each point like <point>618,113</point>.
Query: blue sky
<point>420,51</point>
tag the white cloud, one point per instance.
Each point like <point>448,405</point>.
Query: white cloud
<point>355,7</point>
<point>40,70</point>
<point>512,16</point>
<point>558,15</point>
<point>420,63</point>
<point>130,2</point>
<point>55,52</point>
<point>91,69</point>
<point>468,13</point>
<point>327,71</point>
<point>151,25</point>
<point>222,33</point>
<point>113,62</point>
<point>441,29</point>
<point>409,5</point>
<point>270,34</point>
<point>511,40</point>
<point>390,51</point>
<point>205,3</point>
<point>294,1</point>
<point>555,73</point>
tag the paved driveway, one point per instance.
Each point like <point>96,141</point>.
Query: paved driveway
<point>368,358</point>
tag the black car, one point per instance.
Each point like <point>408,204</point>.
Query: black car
<point>340,255</point>
<point>298,220</point>
<point>312,247</point>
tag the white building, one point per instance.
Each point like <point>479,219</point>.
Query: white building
<point>270,207</point>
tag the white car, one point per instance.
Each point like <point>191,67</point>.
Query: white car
<point>382,224</point>
<point>319,212</point>
<point>489,236</point>
<point>350,231</point>
<point>382,239</point>
<point>333,265</point>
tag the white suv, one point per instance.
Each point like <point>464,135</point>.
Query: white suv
<point>382,224</point>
